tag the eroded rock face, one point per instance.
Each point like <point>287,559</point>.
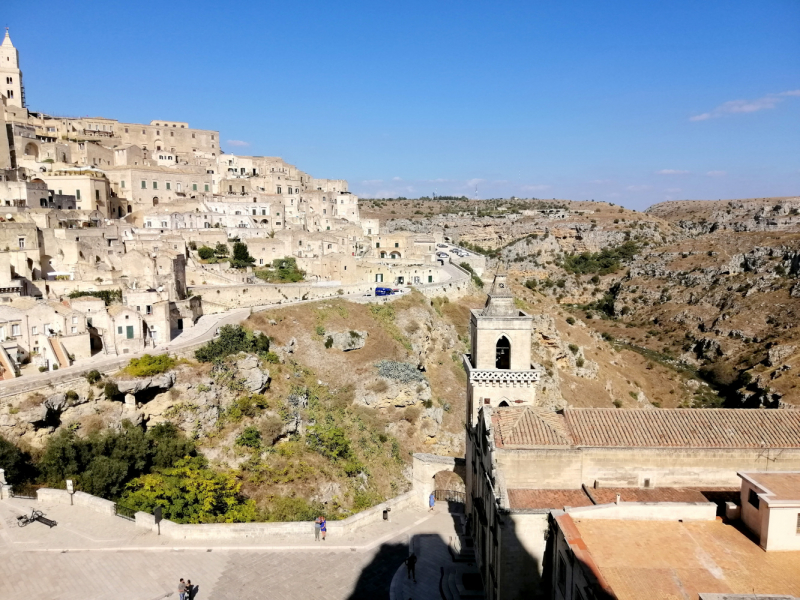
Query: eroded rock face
<point>348,340</point>
<point>777,354</point>
<point>134,386</point>
<point>256,380</point>
<point>384,392</point>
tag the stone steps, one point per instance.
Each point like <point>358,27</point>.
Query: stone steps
<point>452,585</point>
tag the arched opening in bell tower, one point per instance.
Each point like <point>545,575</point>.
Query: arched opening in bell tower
<point>503,354</point>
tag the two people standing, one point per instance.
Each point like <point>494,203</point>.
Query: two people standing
<point>320,527</point>
<point>186,590</point>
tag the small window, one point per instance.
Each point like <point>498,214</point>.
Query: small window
<point>122,184</point>
<point>34,330</point>
<point>397,244</point>
<point>21,242</point>
<point>168,185</point>
<point>97,194</point>
<point>74,319</point>
<point>74,330</point>
<point>144,185</point>
<point>148,309</point>
<point>155,185</point>
<point>15,330</point>
<point>753,499</point>
<point>206,187</point>
<point>194,187</point>
<point>119,330</point>
<point>77,194</point>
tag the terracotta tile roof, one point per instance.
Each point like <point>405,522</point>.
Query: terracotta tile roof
<point>777,486</point>
<point>527,426</point>
<point>549,499</point>
<point>667,559</point>
<point>609,495</point>
<point>684,428</point>
<point>636,428</point>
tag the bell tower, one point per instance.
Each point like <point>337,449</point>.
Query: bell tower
<point>499,370</point>
<point>11,87</point>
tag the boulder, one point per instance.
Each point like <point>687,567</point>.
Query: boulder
<point>255,380</point>
<point>134,386</point>
<point>777,354</point>
<point>346,341</point>
<point>56,402</point>
<point>291,346</point>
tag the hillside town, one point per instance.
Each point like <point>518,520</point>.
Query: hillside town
<point>219,368</point>
<point>93,207</point>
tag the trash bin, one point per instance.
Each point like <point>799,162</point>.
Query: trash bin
<point>386,514</point>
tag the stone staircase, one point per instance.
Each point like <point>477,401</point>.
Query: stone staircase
<point>461,581</point>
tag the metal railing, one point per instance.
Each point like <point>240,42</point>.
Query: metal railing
<point>126,512</point>
<point>24,490</point>
<point>450,496</point>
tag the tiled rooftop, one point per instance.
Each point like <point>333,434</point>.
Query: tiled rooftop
<point>667,559</point>
<point>636,428</point>
<point>778,486</point>
<point>609,495</point>
<point>547,499</point>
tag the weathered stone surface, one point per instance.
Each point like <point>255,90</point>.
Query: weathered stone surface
<point>255,379</point>
<point>348,340</point>
<point>134,386</point>
<point>777,354</point>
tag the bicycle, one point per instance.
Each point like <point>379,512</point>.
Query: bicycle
<point>36,515</point>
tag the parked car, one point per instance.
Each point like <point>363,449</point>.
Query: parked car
<point>383,291</point>
<point>441,245</point>
<point>442,255</point>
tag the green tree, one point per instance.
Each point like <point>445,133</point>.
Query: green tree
<point>17,464</point>
<point>241,256</point>
<point>221,249</point>
<point>205,252</point>
<point>232,339</point>
<point>190,492</point>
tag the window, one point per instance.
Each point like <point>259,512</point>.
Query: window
<point>74,320</point>
<point>155,185</point>
<point>15,330</point>
<point>279,190</point>
<point>562,575</point>
<point>194,187</point>
<point>377,244</point>
<point>97,194</point>
<point>21,242</point>
<point>168,185</point>
<point>164,224</point>
<point>119,330</point>
<point>74,330</point>
<point>397,244</point>
<point>144,185</point>
<point>126,130</point>
<point>129,332</point>
<point>122,184</point>
<point>34,330</point>
<point>193,136</point>
<point>503,353</point>
<point>172,134</point>
<point>77,194</point>
<point>206,187</point>
<point>430,278</point>
<point>148,309</point>
<point>798,522</point>
<point>753,499</point>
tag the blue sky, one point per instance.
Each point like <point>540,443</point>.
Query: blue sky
<point>626,101</point>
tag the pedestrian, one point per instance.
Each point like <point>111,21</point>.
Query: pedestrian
<point>411,567</point>
<point>182,590</point>
<point>323,526</point>
<point>431,502</point>
<point>189,590</point>
<point>317,527</point>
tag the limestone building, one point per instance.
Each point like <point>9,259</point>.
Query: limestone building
<point>10,75</point>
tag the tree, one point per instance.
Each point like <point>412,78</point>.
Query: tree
<point>205,252</point>
<point>221,249</point>
<point>241,256</point>
<point>17,464</point>
<point>190,492</point>
<point>232,339</point>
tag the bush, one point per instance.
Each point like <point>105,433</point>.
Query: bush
<point>42,369</point>
<point>190,492</point>
<point>249,438</point>
<point>107,296</point>
<point>608,260</point>
<point>330,441</point>
<point>93,376</point>
<point>232,339</point>
<point>71,395</point>
<point>270,428</point>
<point>284,270</point>
<point>205,252</point>
<point>221,249</point>
<point>329,342</point>
<point>320,330</point>
<point>149,365</point>
<point>579,363</point>
<point>111,390</point>
<point>570,321</point>
<point>574,348</point>
<point>272,358</point>
<point>17,464</point>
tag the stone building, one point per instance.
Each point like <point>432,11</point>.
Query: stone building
<point>524,461</point>
<point>11,88</point>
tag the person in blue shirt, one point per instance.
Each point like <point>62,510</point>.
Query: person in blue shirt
<point>431,502</point>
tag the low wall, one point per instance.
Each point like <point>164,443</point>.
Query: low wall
<point>648,511</point>
<point>212,531</point>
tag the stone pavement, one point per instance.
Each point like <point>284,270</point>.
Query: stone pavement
<point>92,556</point>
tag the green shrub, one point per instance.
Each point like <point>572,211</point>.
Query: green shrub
<point>329,440</point>
<point>574,348</point>
<point>320,330</point>
<point>221,249</point>
<point>42,369</point>
<point>232,339</point>
<point>284,270</point>
<point>205,252</point>
<point>617,403</point>
<point>111,390</point>
<point>149,365</point>
<point>107,296</point>
<point>272,358</point>
<point>93,376</point>
<point>249,438</point>
<point>71,395</point>
<point>17,464</point>
<point>570,321</point>
<point>241,256</point>
<point>579,363</point>
<point>283,508</point>
<point>329,342</point>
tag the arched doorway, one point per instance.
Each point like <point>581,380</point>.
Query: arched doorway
<point>31,150</point>
<point>503,402</point>
<point>155,201</point>
<point>503,354</point>
<point>448,486</point>
<point>394,255</point>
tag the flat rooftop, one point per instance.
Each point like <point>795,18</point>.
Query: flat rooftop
<point>669,559</point>
<point>545,499</point>
<point>779,487</point>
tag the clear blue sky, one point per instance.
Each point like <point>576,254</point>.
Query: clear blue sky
<point>633,102</point>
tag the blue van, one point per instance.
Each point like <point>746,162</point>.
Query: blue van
<point>383,291</point>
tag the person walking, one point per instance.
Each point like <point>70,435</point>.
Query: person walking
<point>182,590</point>
<point>432,502</point>
<point>323,526</point>
<point>317,527</point>
<point>189,590</point>
<point>411,567</point>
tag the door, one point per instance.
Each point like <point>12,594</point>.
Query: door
<point>129,332</point>
<point>180,323</point>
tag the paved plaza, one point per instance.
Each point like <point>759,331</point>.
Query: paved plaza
<point>92,556</point>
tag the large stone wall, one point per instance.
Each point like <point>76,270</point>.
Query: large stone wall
<point>629,467</point>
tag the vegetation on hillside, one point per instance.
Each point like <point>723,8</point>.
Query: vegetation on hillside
<point>107,296</point>
<point>232,339</point>
<point>605,262</point>
<point>148,365</point>
<point>284,270</point>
